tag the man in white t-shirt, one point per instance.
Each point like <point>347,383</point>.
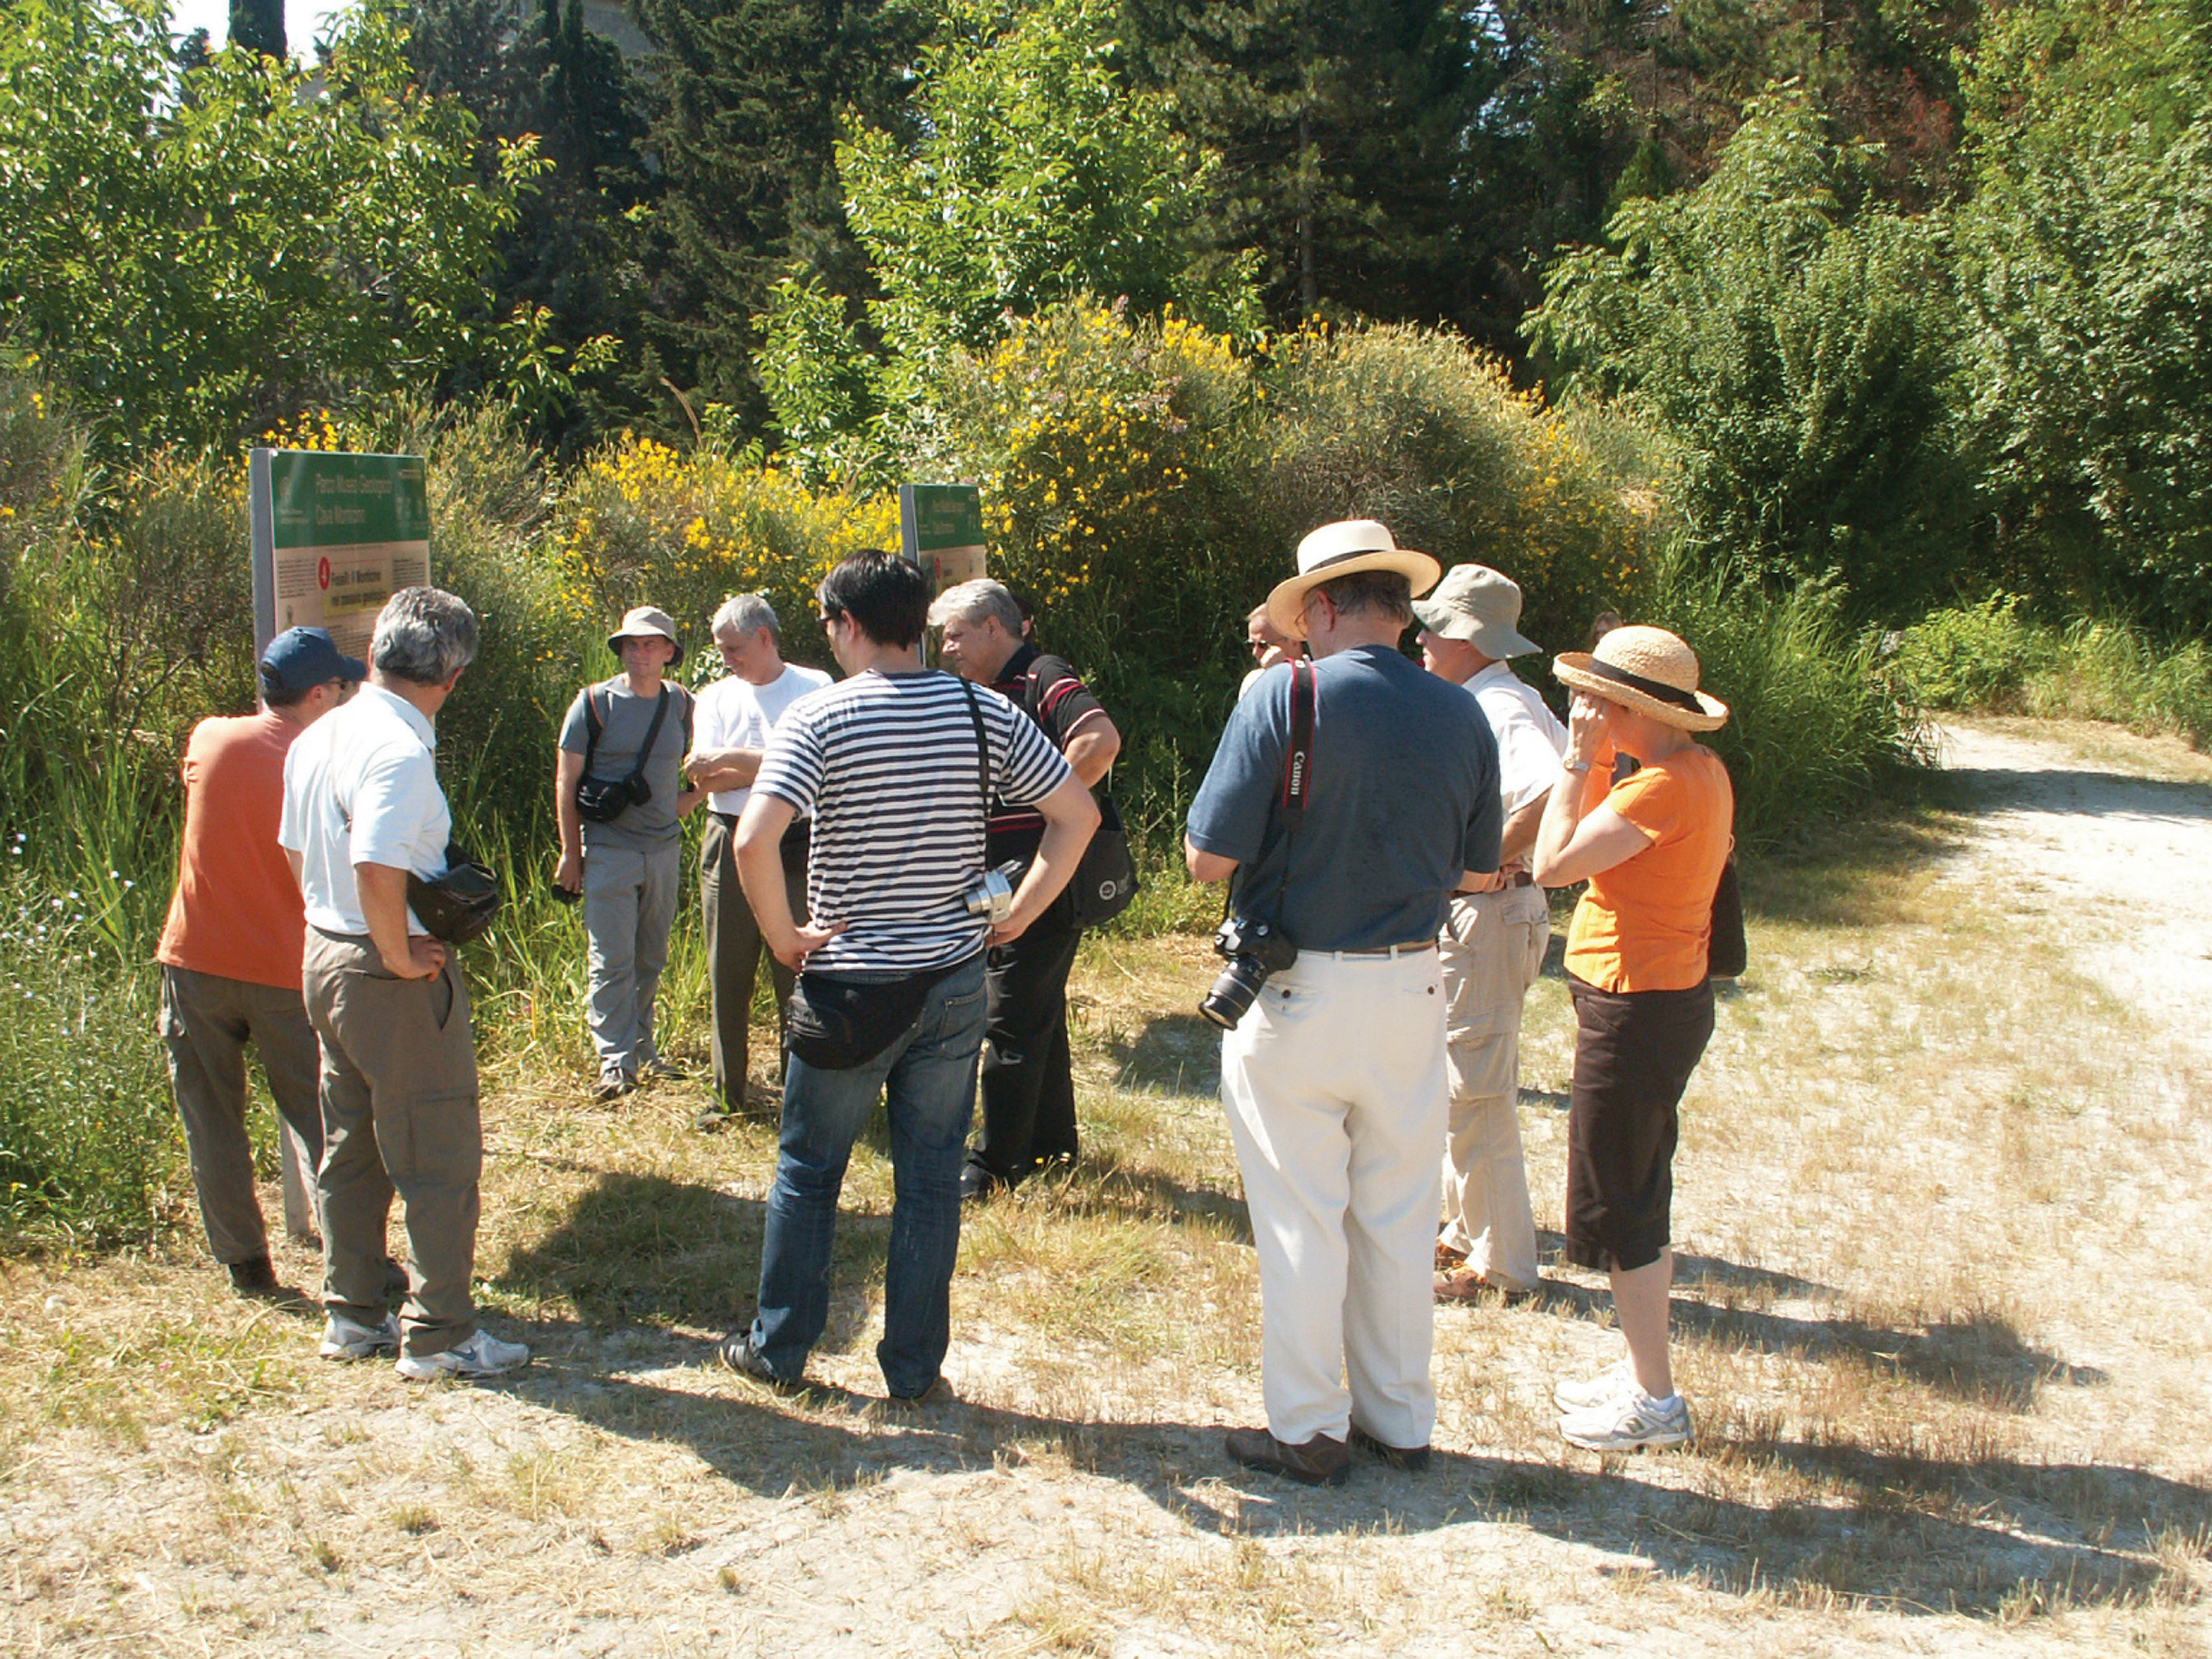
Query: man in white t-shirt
<point>1492,944</point>
<point>729,734</point>
<point>362,813</point>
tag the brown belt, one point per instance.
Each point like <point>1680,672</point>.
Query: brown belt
<point>1387,949</point>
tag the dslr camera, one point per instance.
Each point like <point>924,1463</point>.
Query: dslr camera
<point>1255,949</point>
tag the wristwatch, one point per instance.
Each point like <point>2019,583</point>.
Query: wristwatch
<point>1566,765</point>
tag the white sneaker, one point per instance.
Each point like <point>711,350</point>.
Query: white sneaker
<point>1628,1425</point>
<point>481,1355</point>
<point>1615,1383</point>
<point>349,1339</point>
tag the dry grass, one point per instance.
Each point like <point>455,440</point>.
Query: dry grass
<point>1943,1240</point>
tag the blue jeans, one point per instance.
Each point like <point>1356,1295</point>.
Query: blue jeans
<point>929,1074</point>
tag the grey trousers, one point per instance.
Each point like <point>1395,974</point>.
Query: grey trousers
<point>630,905</point>
<point>1494,948</point>
<point>734,949</point>
<point>399,1114</point>
<point>206,1021</point>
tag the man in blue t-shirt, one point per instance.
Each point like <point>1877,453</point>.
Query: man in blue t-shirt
<point>1334,1078</point>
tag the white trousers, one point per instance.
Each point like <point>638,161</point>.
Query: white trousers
<point>1336,1087</point>
<point>1494,948</point>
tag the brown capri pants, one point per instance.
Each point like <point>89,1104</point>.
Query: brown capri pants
<point>1634,1052</point>
<point>399,1114</point>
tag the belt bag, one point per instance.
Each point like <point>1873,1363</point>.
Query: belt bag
<point>602,800</point>
<point>459,905</point>
<point>834,1025</point>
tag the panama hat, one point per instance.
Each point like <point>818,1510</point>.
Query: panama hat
<point>647,623</point>
<point>1646,669</point>
<point>1477,605</point>
<point>1343,548</point>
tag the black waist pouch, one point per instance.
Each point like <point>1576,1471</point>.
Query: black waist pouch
<point>459,905</point>
<point>835,1024</point>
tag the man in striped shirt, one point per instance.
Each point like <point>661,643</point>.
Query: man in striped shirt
<point>886,763</point>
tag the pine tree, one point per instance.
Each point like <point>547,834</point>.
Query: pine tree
<point>1340,127</point>
<point>259,26</point>
<point>747,96</point>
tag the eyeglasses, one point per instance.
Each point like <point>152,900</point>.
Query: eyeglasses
<point>825,617</point>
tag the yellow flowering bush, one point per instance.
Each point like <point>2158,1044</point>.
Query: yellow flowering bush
<point>640,524</point>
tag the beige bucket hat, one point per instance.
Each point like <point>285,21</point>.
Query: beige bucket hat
<point>647,622</point>
<point>1481,606</point>
<point>1646,669</point>
<point>1343,548</point>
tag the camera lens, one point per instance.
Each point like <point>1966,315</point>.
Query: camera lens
<point>1230,999</point>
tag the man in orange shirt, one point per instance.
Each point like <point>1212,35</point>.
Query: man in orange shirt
<point>230,953</point>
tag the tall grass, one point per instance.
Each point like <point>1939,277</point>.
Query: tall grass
<point>1995,656</point>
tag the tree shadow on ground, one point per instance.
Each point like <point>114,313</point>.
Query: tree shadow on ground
<point>1977,1356</point>
<point>1915,1535</point>
<point>1173,1055</point>
<point>642,1249</point>
<point>1113,1187</point>
<point>2084,792</point>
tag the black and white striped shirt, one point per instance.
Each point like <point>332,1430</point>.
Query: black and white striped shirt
<point>886,764</point>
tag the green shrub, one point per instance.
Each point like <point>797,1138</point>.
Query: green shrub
<point>88,1147</point>
<point>1976,656</point>
<point>1419,429</point>
<point>1814,722</point>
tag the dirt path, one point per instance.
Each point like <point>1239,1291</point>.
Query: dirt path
<point>1950,1361</point>
<point>2066,818</point>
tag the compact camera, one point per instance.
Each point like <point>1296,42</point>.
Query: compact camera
<point>992,898</point>
<point>1255,949</point>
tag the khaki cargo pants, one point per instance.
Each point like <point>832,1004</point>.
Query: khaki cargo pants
<point>399,1116</point>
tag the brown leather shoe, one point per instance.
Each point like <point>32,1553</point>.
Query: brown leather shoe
<point>1447,1258</point>
<point>1412,1458</point>
<point>1465,1284</point>
<point>1320,1461</point>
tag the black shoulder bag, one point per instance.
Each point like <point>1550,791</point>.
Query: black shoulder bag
<point>1727,955</point>
<point>1105,878</point>
<point>833,1024</point>
<point>602,800</point>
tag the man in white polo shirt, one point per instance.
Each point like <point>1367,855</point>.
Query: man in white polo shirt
<point>362,813</point>
<point>729,733</point>
<point>1492,944</point>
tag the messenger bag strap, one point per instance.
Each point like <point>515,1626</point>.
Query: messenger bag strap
<point>592,727</point>
<point>982,753</point>
<point>652,735</point>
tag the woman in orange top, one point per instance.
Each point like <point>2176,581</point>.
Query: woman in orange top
<point>1652,847</point>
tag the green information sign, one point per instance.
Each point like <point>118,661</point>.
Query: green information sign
<point>941,530</point>
<point>334,537</point>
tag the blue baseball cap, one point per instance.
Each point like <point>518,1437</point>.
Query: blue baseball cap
<point>300,659</point>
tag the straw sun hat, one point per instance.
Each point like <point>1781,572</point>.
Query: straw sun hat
<point>1343,548</point>
<point>1646,669</point>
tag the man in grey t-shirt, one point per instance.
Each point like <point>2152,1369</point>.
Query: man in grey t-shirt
<point>628,868</point>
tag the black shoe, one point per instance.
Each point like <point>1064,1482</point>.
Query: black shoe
<point>1412,1458</point>
<point>254,1276</point>
<point>1320,1461</point>
<point>738,1353</point>
<point>978,1183</point>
